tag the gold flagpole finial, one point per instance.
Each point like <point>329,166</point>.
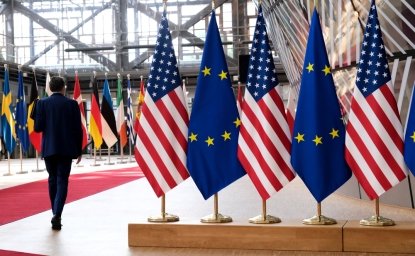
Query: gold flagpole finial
<point>106,75</point>
<point>213,4</point>
<point>5,66</point>
<point>94,73</point>
<point>165,5</point>
<point>76,72</point>
<point>19,68</point>
<point>128,76</point>
<point>119,76</point>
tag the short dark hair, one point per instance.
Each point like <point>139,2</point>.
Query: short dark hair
<point>56,83</point>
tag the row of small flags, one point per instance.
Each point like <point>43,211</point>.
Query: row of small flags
<point>103,125</point>
<point>226,138</point>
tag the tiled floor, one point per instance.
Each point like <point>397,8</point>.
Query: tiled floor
<point>97,225</point>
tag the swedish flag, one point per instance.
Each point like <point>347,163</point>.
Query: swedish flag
<point>7,121</point>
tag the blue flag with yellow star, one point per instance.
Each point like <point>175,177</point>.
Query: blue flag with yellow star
<point>214,122</point>
<point>22,132</point>
<point>409,148</point>
<point>317,152</point>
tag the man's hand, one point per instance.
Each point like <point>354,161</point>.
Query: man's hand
<point>78,160</point>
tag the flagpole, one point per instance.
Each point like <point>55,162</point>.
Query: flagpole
<point>109,157</point>
<point>264,218</point>
<point>8,163</point>
<point>377,220</point>
<point>319,219</point>
<point>95,158</point>
<point>163,217</point>
<point>216,217</point>
<point>37,164</point>
<point>21,160</point>
<point>131,126</point>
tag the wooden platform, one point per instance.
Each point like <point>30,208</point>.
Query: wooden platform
<point>395,239</point>
<point>346,236</point>
<point>237,235</point>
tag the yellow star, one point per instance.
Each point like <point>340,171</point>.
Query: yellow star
<point>193,137</point>
<point>223,75</point>
<point>209,141</point>
<point>334,133</point>
<point>310,67</point>
<point>237,122</point>
<point>299,137</point>
<point>413,136</point>
<point>326,70</point>
<point>206,71</point>
<point>317,140</point>
<point>226,136</point>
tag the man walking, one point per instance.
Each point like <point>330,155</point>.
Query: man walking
<point>59,119</point>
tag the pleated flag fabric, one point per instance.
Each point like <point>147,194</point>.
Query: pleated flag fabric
<point>265,139</point>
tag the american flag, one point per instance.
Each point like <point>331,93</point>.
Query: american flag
<point>265,140</point>
<point>161,142</point>
<point>374,139</point>
<point>130,129</point>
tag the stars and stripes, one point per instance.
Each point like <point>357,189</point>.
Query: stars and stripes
<point>265,140</point>
<point>374,139</point>
<point>161,141</point>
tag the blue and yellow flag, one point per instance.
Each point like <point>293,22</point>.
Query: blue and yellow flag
<point>318,143</point>
<point>7,121</point>
<point>21,116</point>
<point>409,149</point>
<point>214,121</point>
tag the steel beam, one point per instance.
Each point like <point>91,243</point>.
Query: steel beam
<point>173,27</point>
<point>62,35</point>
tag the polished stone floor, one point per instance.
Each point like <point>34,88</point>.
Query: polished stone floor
<point>97,225</point>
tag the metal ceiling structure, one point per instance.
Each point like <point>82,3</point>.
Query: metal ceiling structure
<point>115,35</point>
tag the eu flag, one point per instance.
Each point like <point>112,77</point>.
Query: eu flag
<point>317,152</point>
<point>21,116</point>
<point>7,121</point>
<point>409,149</point>
<point>214,121</point>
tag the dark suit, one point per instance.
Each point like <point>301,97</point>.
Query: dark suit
<point>59,119</point>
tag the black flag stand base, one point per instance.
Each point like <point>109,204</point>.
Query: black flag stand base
<point>163,217</point>
<point>216,217</point>
<point>377,220</point>
<point>319,219</point>
<point>264,218</point>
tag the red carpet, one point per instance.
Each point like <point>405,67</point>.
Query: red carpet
<point>28,199</point>
<point>12,253</point>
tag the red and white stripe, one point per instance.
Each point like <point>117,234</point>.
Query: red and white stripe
<point>161,142</point>
<point>374,141</point>
<point>78,97</point>
<point>264,143</point>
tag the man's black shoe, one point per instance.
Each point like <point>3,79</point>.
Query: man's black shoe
<point>56,223</point>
